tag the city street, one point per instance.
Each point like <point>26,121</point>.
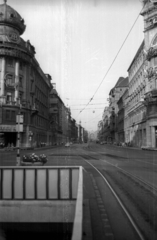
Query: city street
<point>132,174</point>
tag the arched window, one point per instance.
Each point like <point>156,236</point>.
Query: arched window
<point>154,42</point>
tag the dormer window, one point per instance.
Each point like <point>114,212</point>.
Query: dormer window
<point>154,42</point>
<point>22,20</point>
<point>12,15</point>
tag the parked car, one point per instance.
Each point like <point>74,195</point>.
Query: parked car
<point>67,144</point>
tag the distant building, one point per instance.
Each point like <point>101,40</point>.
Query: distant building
<point>74,130</point>
<point>135,109</point>
<point>121,128</point>
<point>60,117</point>
<point>106,125</point>
<point>114,96</point>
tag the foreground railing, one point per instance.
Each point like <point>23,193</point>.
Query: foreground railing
<point>38,183</point>
<point>56,193</point>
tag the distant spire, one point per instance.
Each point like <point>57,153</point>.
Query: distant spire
<point>5,1</point>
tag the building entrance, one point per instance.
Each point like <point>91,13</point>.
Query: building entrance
<point>10,139</point>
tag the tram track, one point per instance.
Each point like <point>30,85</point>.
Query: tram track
<point>132,207</point>
<point>128,215</point>
<point>144,224</point>
<point>145,184</point>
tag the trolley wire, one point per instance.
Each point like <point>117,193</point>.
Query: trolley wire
<point>112,61</point>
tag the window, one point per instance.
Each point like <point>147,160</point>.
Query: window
<point>21,65</point>
<point>13,115</point>
<point>9,97</point>
<point>154,41</point>
<point>20,81</point>
<point>12,15</point>
<point>7,116</point>
<point>20,96</point>
<point>9,81</point>
<point>32,85</point>
<point>155,61</point>
<point>10,62</point>
<point>31,71</point>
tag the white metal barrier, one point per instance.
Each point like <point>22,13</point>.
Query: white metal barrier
<point>29,192</point>
<point>38,183</point>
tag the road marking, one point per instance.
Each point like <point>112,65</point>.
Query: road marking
<point>102,210</point>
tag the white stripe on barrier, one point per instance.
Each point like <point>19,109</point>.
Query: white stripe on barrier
<point>77,226</point>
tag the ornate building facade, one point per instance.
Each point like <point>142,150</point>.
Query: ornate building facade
<point>24,88</point>
<point>150,99</point>
<point>135,110</point>
<point>114,96</point>
<point>141,106</point>
<point>137,107</point>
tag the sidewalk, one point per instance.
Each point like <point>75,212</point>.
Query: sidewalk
<point>29,148</point>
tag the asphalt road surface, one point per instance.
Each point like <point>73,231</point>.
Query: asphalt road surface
<point>120,188</point>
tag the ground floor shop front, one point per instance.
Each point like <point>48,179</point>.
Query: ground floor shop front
<point>29,137</point>
<point>143,134</point>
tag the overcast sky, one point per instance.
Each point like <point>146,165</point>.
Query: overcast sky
<point>76,42</point>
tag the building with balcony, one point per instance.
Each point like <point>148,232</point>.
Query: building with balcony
<point>60,117</point>
<point>114,96</point>
<point>121,117</point>
<point>106,125</point>
<point>24,88</point>
<point>135,117</point>
<point>141,106</point>
<point>74,130</point>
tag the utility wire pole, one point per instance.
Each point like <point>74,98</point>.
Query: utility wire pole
<point>19,128</point>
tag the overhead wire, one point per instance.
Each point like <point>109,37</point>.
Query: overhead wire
<point>113,61</point>
<point>86,108</point>
<point>89,104</point>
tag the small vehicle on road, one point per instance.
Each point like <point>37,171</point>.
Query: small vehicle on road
<point>67,144</point>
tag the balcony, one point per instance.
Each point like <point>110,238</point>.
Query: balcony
<point>53,100</point>
<point>53,110</point>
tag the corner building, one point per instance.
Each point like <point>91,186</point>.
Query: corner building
<point>24,88</point>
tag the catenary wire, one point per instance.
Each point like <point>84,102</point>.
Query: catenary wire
<point>113,60</point>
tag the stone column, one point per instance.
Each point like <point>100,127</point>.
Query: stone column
<point>153,136</point>
<point>2,76</point>
<point>148,135</point>
<point>16,81</point>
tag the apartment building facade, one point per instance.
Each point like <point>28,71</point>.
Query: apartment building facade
<point>24,88</point>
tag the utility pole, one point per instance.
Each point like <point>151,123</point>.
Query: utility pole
<point>19,129</point>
